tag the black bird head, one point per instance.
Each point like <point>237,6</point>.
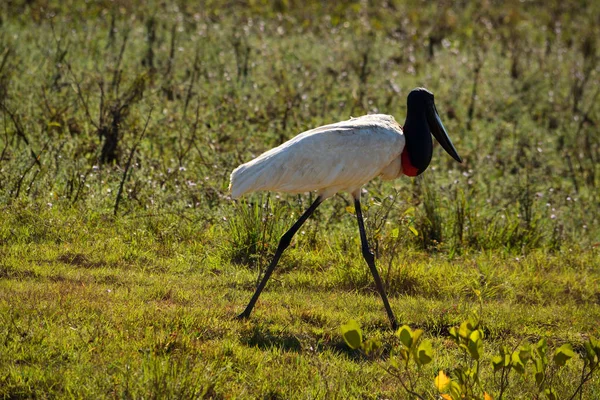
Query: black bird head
<point>422,121</point>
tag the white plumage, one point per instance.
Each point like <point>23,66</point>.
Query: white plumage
<point>329,159</point>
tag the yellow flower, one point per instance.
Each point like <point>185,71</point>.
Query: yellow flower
<point>442,381</point>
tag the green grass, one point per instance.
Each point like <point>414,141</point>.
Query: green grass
<point>108,311</point>
<point>139,301</point>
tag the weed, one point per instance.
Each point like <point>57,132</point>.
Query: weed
<point>256,228</point>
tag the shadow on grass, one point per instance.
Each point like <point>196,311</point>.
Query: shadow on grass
<point>7,272</point>
<point>266,338</point>
<point>79,260</point>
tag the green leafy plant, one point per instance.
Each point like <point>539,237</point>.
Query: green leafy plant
<point>412,351</point>
<point>464,381</point>
<point>352,334</point>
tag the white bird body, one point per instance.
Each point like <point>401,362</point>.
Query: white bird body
<point>329,159</point>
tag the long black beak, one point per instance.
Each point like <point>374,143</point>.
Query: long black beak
<point>439,132</point>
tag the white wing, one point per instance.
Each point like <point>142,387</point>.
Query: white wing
<point>337,157</point>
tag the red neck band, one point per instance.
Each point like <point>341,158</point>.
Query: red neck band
<point>407,167</point>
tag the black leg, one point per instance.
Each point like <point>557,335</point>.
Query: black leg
<point>283,244</point>
<point>370,259</point>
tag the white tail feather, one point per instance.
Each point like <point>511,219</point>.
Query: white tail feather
<point>246,178</point>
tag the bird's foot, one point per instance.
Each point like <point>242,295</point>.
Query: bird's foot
<point>244,315</point>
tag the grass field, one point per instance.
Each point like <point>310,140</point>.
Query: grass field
<point>123,260</point>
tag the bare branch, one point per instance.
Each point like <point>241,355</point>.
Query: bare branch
<point>128,165</point>
<point>20,131</point>
<point>80,95</point>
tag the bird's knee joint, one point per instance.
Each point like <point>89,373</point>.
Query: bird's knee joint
<point>284,242</point>
<point>367,254</point>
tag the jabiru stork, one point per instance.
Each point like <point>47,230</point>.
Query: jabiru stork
<point>342,157</point>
